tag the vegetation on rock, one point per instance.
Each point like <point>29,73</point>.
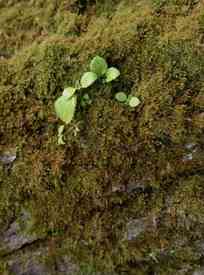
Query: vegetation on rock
<point>125,194</point>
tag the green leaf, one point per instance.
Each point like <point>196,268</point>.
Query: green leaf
<point>88,79</point>
<point>69,92</point>
<point>111,74</point>
<point>98,65</point>
<point>133,101</point>
<point>65,108</point>
<point>121,97</point>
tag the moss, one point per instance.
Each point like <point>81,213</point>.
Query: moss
<point>3,268</point>
<point>178,7</point>
<point>123,164</point>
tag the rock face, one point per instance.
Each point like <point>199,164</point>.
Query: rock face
<point>124,194</point>
<point>31,264</point>
<point>15,237</point>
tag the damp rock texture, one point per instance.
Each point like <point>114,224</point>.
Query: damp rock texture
<point>125,193</point>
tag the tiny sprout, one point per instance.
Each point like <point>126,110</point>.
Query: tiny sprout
<point>133,101</point>
<point>121,97</point>
<point>65,105</point>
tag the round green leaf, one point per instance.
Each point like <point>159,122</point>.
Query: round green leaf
<point>134,101</point>
<point>65,108</point>
<point>98,65</point>
<point>88,79</point>
<point>69,92</point>
<point>111,74</point>
<point>121,97</point>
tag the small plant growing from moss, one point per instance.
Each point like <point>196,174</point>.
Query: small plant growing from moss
<point>65,105</point>
<point>130,100</point>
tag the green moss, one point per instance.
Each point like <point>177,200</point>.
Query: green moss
<point>123,164</point>
<point>179,7</point>
<point>3,268</point>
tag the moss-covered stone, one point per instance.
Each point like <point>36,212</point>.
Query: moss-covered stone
<point>120,166</point>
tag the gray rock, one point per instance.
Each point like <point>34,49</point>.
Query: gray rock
<point>135,228</point>
<point>187,157</point>
<point>7,158</point>
<point>193,152</point>
<point>199,271</point>
<point>66,267</point>
<point>30,268</point>
<point>33,262</point>
<point>28,264</point>
<point>17,234</point>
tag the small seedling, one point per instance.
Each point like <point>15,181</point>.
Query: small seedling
<point>130,100</point>
<point>65,105</point>
<point>133,101</point>
<point>121,97</point>
<point>99,69</point>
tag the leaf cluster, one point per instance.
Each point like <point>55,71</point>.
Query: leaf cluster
<point>65,105</point>
<point>130,100</point>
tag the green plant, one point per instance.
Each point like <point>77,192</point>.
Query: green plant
<point>130,100</point>
<point>65,105</point>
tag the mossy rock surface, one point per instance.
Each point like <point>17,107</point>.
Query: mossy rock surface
<point>124,195</point>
